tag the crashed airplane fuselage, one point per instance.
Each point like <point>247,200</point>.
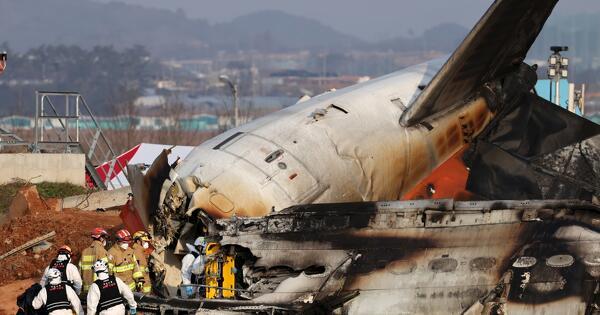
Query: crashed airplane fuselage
<point>374,142</point>
<point>346,145</point>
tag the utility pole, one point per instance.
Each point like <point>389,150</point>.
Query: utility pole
<point>236,111</point>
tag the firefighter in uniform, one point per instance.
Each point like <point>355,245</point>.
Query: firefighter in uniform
<point>89,255</point>
<point>58,297</point>
<point>141,243</point>
<point>69,273</point>
<point>107,293</point>
<point>122,260</point>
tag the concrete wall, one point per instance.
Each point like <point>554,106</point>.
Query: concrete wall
<point>59,168</point>
<point>103,199</point>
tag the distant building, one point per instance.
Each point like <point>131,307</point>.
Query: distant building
<point>312,85</point>
<point>202,122</point>
<point>150,101</point>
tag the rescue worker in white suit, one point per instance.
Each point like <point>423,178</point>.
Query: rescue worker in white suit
<point>69,272</point>
<point>106,294</point>
<point>58,297</point>
<point>192,267</point>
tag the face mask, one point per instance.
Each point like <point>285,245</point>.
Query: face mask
<point>55,281</point>
<point>102,275</point>
<point>145,245</point>
<point>62,257</point>
<point>124,245</point>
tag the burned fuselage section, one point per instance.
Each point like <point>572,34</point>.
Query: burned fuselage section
<point>424,257</point>
<point>276,194</point>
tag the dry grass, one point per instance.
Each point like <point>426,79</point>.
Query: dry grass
<point>45,189</point>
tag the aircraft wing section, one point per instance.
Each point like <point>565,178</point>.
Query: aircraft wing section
<point>497,44</point>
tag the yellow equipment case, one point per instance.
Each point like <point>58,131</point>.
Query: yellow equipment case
<point>219,273</point>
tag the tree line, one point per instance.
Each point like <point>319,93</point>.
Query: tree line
<point>106,77</point>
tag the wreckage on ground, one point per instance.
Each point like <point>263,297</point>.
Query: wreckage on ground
<point>421,257</point>
<point>303,203</point>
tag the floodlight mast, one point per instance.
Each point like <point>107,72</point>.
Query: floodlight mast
<point>558,69</point>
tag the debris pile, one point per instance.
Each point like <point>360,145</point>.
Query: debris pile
<point>27,200</point>
<point>31,217</point>
<point>568,170</point>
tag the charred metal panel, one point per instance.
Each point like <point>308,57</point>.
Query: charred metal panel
<point>463,218</point>
<point>430,267</point>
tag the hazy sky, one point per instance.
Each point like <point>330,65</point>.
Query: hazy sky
<point>367,19</point>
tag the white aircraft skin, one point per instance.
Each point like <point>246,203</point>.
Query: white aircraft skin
<point>341,146</point>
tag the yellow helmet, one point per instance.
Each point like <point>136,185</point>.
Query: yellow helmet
<point>212,248</point>
<point>141,235</point>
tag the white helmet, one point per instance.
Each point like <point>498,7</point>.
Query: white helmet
<point>100,266</point>
<point>200,241</point>
<point>54,276</point>
<point>53,273</point>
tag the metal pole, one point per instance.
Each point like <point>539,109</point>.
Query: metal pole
<point>67,149</point>
<point>77,119</point>
<point>236,110</point>
<point>582,100</point>
<point>35,127</point>
<point>42,119</point>
<point>557,87</point>
<point>571,99</point>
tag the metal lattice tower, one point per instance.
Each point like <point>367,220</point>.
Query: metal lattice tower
<point>58,128</point>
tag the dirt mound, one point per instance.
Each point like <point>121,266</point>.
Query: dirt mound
<point>27,200</point>
<point>9,294</point>
<point>72,228</point>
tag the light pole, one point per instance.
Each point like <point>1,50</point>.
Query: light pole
<point>558,69</point>
<point>236,115</point>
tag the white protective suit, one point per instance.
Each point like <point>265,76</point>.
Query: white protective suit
<point>190,266</point>
<point>41,298</point>
<point>93,298</point>
<point>72,275</point>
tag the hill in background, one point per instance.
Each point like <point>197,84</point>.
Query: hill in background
<point>30,23</point>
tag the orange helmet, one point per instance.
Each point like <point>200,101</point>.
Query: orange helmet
<point>65,250</point>
<point>99,233</point>
<point>123,236</point>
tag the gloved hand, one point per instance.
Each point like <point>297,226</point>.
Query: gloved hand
<point>189,291</point>
<point>139,286</point>
<point>132,311</point>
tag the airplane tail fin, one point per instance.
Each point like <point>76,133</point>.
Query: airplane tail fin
<point>506,161</point>
<point>495,47</point>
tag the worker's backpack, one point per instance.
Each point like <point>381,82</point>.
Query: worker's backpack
<point>25,300</point>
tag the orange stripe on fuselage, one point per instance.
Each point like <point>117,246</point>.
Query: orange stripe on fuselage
<point>449,180</point>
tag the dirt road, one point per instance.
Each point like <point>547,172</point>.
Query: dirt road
<point>9,293</point>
